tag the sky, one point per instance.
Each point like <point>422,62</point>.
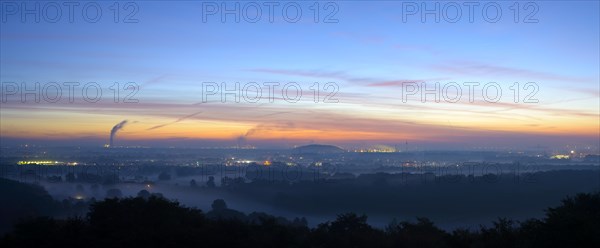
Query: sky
<point>157,65</point>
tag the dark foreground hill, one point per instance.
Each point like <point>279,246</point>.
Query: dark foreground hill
<point>153,221</point>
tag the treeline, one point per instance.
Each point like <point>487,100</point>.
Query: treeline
<point>401,195</point>
<point>153,221</point>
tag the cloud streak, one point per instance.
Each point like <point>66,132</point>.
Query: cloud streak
<point>485,69</point>
<point>176,121</point>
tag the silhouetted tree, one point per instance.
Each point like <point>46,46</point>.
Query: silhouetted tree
<point>575,223</point>
<point>219,204</point>
<point>114,193</point>
<point>421,234</point>
<point>503,233</point>
<point>221,212</point>
<point>348,230</point>
<point>143,194</point>
<point>211,182</point>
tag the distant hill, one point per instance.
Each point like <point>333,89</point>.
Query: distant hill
<point>320,149</point>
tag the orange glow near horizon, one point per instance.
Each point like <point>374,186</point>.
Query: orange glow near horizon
<point>447,123</point>
<point>223,130</point>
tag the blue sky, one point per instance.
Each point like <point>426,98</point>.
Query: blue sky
<point>170,51</point>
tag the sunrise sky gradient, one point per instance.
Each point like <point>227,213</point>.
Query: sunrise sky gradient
<point>368,54</point>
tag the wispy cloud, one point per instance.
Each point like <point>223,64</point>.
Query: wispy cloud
<point>176,121</point>
<point>338,75</point>
<point>484,69</point>
<point>396,83</point>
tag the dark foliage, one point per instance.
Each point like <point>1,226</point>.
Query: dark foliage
<point>23,200</point>
<point>156,222</point>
